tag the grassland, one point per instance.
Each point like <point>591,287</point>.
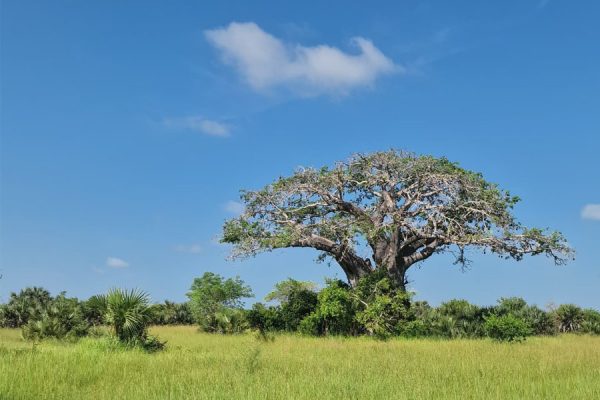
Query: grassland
<point>200,366</point>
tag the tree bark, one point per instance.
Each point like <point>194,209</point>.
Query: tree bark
<point>354,267</point>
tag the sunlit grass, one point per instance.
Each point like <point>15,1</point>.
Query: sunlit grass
<point>199,366</point>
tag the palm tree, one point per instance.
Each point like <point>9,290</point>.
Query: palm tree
<point>128,312</point>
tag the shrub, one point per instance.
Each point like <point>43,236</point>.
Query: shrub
<point>537,319</point>
<point>28,304</point>
<point>129,313</point>
<point>216,303</point>
<point>506,328</point>
<point>591,321</point>
<point>170,313</point>
<point>569,317</point>
<point>457,319</point>
<point>300,303</point>
<point>334,314</point>
<point>265,319</point>
<point>311,325</point>
<point>383,309</point>
<point>62,318</point>
<point>94,309</point>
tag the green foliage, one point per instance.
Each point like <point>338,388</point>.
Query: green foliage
<point>128,312</point>
<point>62,318</point>
<point>457,319</point>
<point>216,303</point>
<point>591,322</point>
<point>29,303</point>
<point>170,313</point>
<point>334,314</point>
<point>363,199</point>
<point>383,309</point>
<point>507,328</point>
<point>300,303</point>
<point>265,318</point>
<point>94,310</point>
<point>289,287</point>
<point>296,300</point>
<point>568,317</point>
<point>540,322</point>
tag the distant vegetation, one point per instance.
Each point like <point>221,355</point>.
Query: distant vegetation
<point>374,307</point>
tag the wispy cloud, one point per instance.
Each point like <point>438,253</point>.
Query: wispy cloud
<point>193,248</point>
<point>234,207</point>
<point>591,211</point>
<point>199,124</point>
<point>114,262</point>
<point>265,61</point>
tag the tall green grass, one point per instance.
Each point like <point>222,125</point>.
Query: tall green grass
<point>201,366</point>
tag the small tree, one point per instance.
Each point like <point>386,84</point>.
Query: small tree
<point>387,211</point>
<point>569,317</point>
<point>129,313</point>
<point>507,328</point>
<point>216,302</point>
<point>28,304</point>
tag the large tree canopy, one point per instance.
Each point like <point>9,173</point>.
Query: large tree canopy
<point>387,211</point>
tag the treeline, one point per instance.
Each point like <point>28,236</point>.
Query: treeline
<point>375,307</point>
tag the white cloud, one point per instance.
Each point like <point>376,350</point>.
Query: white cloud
<point>114,262</point>
<point>98,270</point>
<point>193,248</point>
<point>265,61</point>
<point>234,207</point>
<point>199,124</point>
<point>591,211</point>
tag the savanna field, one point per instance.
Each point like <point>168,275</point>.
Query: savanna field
<point>202,366</point>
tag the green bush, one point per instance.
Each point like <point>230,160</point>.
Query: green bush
<point>334,314</point>
<point>265,319</point>
<point>383,309</point>
<point>569,317</point>
<point>506,328</point>
<point>216,303</point>
<point>62,318</point>
<point>540,322</point>
<point>591,322</point>
<point>299,304</point>
<point>128,313</point>
<point>28,304</point>
<point>311,325</point>
<point>170,313</point>
<point>457,319</point>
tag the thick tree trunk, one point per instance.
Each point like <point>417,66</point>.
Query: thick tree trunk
<point>354,269</point>
<point>398,276</point>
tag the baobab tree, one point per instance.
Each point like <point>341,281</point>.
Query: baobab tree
<point>387,211</point>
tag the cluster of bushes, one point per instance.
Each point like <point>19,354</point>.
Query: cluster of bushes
<point>375,307</point>
<point>127,314</point>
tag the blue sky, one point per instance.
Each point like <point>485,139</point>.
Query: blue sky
<point>129,127</point>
